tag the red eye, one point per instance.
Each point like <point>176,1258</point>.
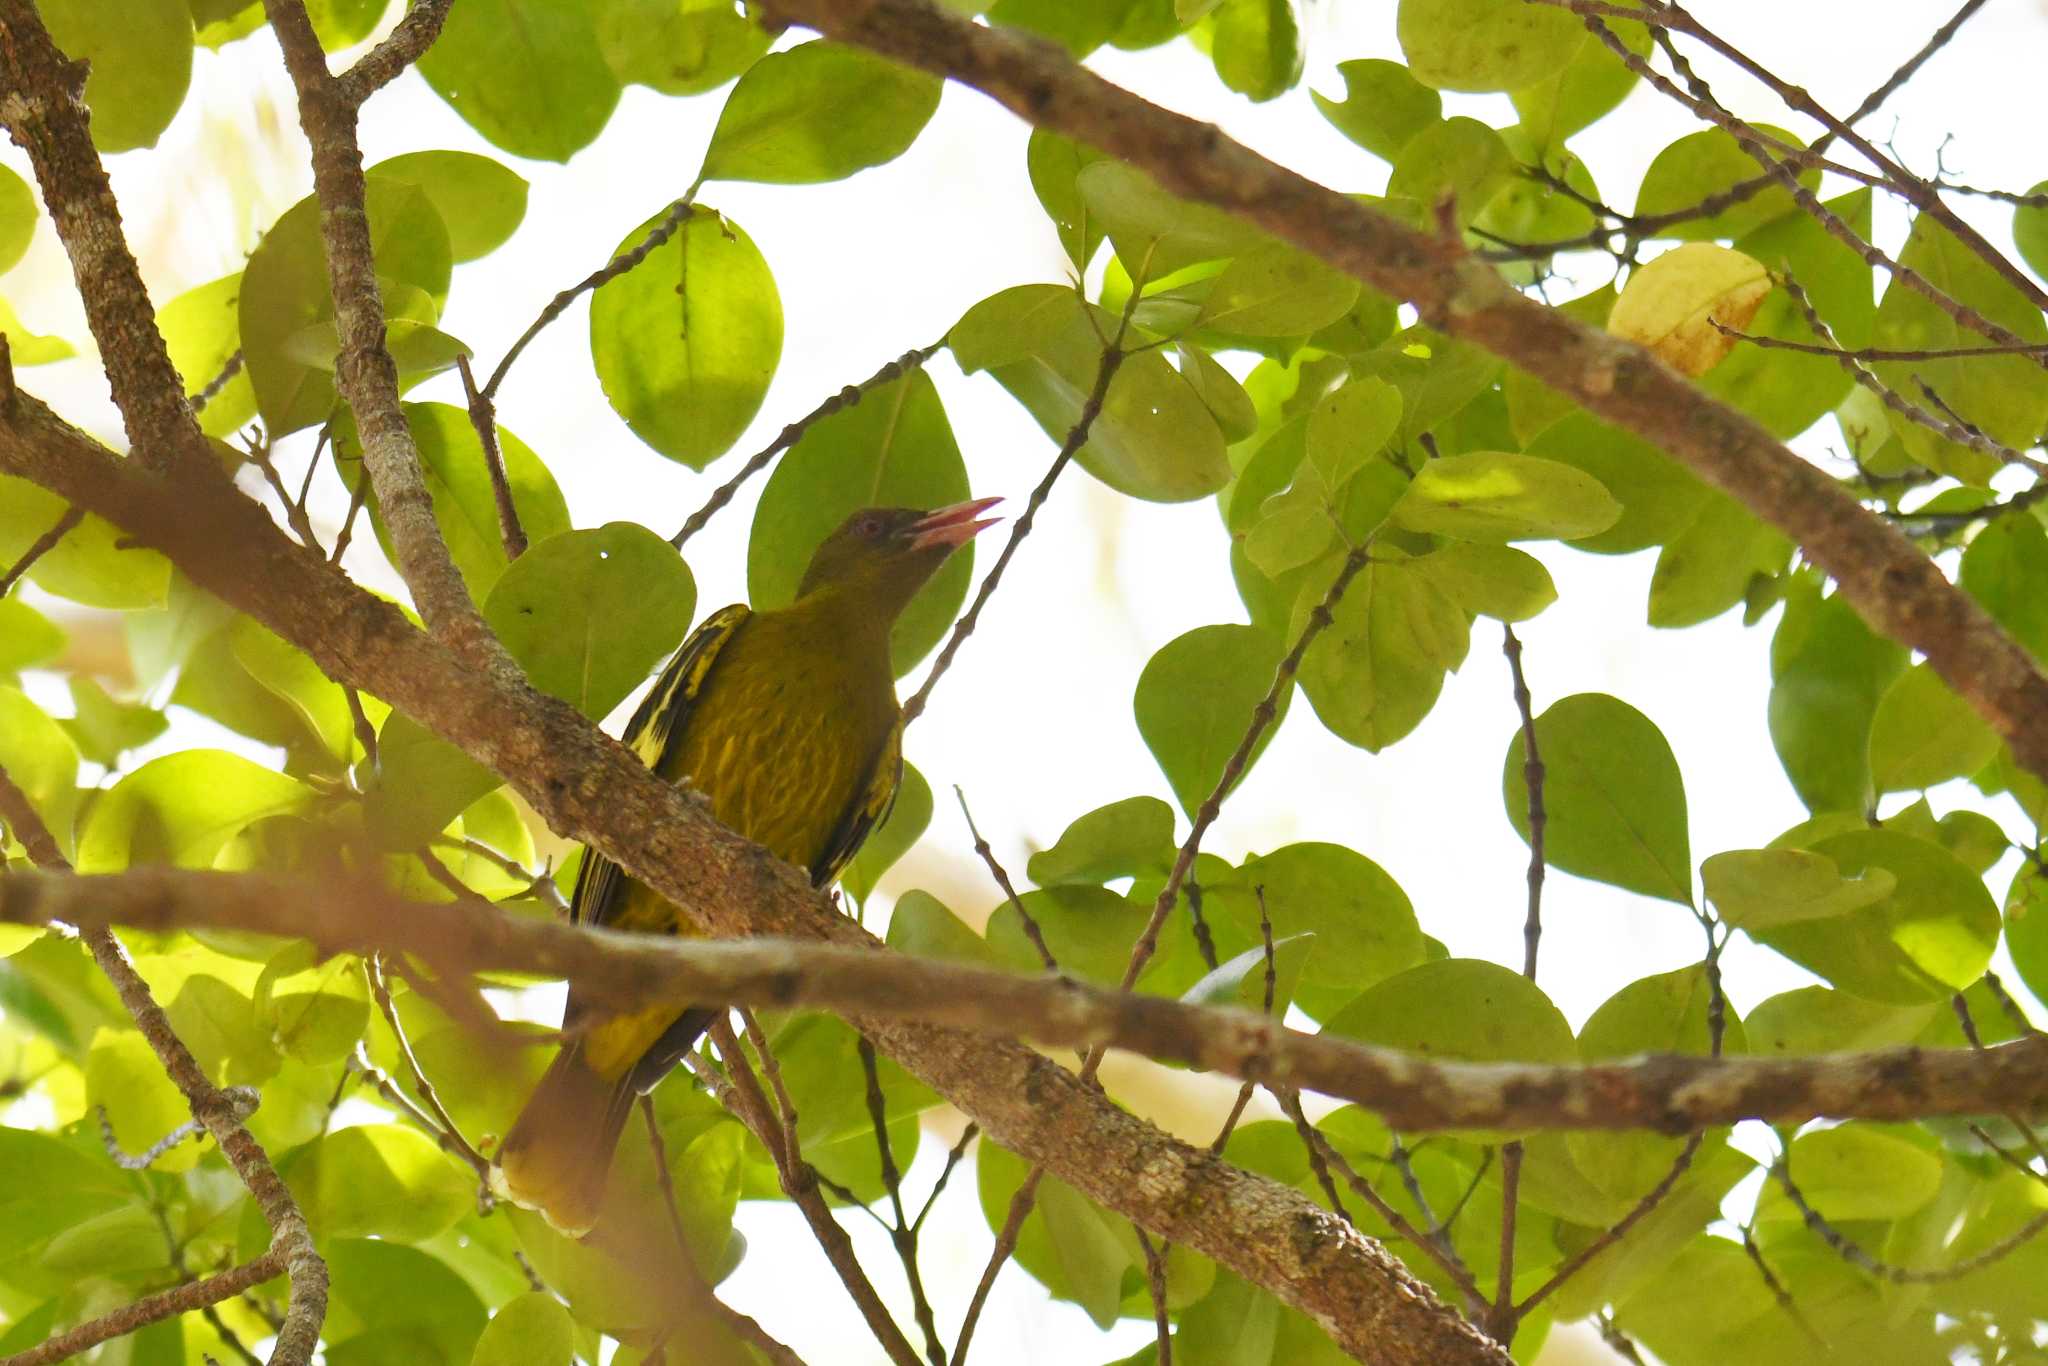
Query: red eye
<point>869,526</point>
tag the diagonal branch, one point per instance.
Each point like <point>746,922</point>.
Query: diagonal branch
<point>1889,580</point>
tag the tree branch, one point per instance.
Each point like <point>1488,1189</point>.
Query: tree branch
<point>180,1299</point>
<point>1891,583</point>
<point>1671,1093</point>
<point>363,370</point>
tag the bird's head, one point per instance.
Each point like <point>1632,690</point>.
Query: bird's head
<point>882,556</point>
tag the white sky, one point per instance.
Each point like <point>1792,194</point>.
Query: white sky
<point>1034,720</point>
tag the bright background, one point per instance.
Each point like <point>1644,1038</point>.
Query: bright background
<point>1034,720</point>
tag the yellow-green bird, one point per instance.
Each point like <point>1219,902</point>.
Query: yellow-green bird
<point>787,722</point>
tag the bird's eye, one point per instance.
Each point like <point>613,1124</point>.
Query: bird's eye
<point>869,526</point>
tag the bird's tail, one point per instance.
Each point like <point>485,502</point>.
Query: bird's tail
<point>559,1151</point>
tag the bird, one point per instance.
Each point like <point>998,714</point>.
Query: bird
<point>786,722</point>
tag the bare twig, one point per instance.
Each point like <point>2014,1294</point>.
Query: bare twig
<point>996,870</point>
<point>41,546</point>
<point>609,271</point>
<point>228,370</point>
<point>902,1233</point>
<point>793,433</point>
<point>403,46</point>
<point>245,1098</point>
<point>1155,1280</point>
<point>446,1131</point>
<point>483,415</point>
<point>182,1299</point>
<point>1853,1253</point>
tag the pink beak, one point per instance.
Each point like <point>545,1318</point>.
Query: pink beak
<point>953,526</point>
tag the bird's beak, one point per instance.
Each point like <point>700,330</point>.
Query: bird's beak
<point>952,526</point>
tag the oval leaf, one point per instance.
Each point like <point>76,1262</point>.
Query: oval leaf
<point>819,111</point>
<point>1502,496</point>
<point>1195,701</point>
<point>686,342</point>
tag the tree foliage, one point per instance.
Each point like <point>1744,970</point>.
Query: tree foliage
<point>1382,477</point>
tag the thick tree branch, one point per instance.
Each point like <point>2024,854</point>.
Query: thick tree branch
<point>590,787</point>
<point>1672,1093</point>
<point>1890,582</point>
<point>364,371</point>
<point>42,106</point>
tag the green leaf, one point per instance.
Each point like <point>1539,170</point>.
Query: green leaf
<point>390,1302</point>
<point>1437,376</point>
<point>40,758</point>
<point>920,924</point>
<point>26,636</point>
<point>686,342</point>
<point>29,348</point>
<point>1088,929</point>
<point>1076,1250</point>
<point>2030,230</point>
<point>1855,1171</point>
<point>1375,672</point>
<point>126,1239</point>
<point>1708,567</point>
<point>104,729</point>
<point>679,47</point>
<point>1485,44</point>
<point>1153,439</point>
<point>819,111</point>
<point>1054,165</point>
<point>894,448</point>
<point>527,74</point>
<point>894,838</point>
<point>1923,734</point>
<point>1130,838</point>
<point>93,564</point>
<point>1241,980</point>
<point>422,783</point>
<point>1384,106</point>
<point>1219,391</point>
<point>291,676</point>
<point>1355,923</point>
<point>1276,291</point>
<point>1701,165</point>
<point>1195,702</point>
<point>1823,1020</point>
<point>1612,794</point>
<point>141,56</point>
<point>17,218</point>
<point>1459,159</point>
<point>1828,672</point>
<point>1585,90</point>
<point>382,1181</point>
<point>46,1187</point>
<point>465,505</point>
<point>1256,46</point>
<point>286,303</point>
<point>480,201</point>
<point>344,23</point>
<point>1757,889</point>
<point>2002,568</point>
<point>528,1330</point>
<point>1502,496</point>
<point>1930,938</point>
<point>181,809</point>
<point>315,1010</point>
<point>589,614</point>
<point>1350,426</point>
<point>1998,395</point>
<point>202,327</point>
<point>1659,498</point>
<point>1490,580</point>
<point>1155,233</point>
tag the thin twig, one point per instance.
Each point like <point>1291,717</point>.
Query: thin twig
<point>41,546</point>
<point>1778,1290</point>
<point>405,44</point>
<point>1113,356</point>
<point>996,870</point>
<point>182,1299</point>
<point>1155,1280</point>
<point>953,1156</point>
<point>1853,1253</point>
<point>447,1132</point>
<point>609,271</point>
<point>245,1098</point>
<point>793,433</point>
<point>902,1233</point>
<point>483,415</point>
<point>228,370</point>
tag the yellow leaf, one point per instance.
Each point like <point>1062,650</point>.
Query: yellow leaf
<point>1672,304</point>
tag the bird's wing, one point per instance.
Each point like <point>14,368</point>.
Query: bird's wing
<point>650,734</point>
<point>869,811</point>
